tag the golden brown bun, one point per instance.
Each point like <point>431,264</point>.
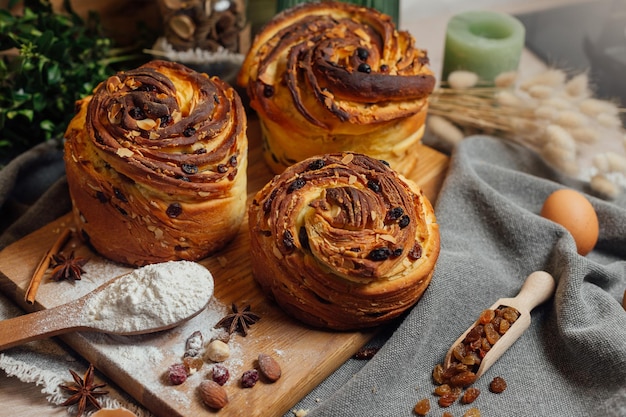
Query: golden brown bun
<point>156,165</point>
<point>341,241</point>
<point>329,77</point>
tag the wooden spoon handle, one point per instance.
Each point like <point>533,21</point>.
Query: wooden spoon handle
<point>38,325</point>
<point>537,288</point>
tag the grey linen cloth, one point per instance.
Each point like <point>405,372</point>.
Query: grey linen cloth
<point>572,359</point>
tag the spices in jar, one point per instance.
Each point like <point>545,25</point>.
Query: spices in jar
<point>210,26</point>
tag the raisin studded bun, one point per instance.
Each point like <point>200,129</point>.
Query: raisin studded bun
<point>330,77</point>
<point>156,165</point>
<point>342,241</point>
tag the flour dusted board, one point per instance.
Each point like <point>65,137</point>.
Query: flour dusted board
<point>138,364</point>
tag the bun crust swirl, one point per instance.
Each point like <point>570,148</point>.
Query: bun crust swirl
<point>328,77</point>
<point>342,241</point>
<point>156,164</point>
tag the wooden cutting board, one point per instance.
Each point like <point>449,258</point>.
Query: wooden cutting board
<point>138,364</point>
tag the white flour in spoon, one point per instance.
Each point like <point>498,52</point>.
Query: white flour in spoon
<point>150,297</point>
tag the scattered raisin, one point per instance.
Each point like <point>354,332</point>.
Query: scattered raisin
<point>303,237</point>
<point>220,374</point>
<point>146,87</point>
<point>422,407</point>
<point>288,241</point>
<point>498,385</point>
<point>249,378</point>
<point>177,373</point>
<point>459,352</point>
<point>316,164</point>
<point>438,374</point>
<point>474,334</point>
<point>486,316</point>
<point>267,204</point>
<point>394,214</point>
<point>190,131</point>
<point>268,91</point>
<point>491,334</point>
<point>137,113</point>
<point>233,160</point>
<point>446,400</point>
<point>222,168</point>
<point>174,210</point>
<point>363,67</point>
<point>404,221</point>
<point>192,364</point>
<point>296,185</point>
<point>442,389</point>
<point>374,186</point>
<point>485,347</point>
<point>463,379</point>
<point>362,53</point>
<point>101,197</point>
<point>503,326</point>
<point>470,395</point>
<point>471,359</point>
<point>379,254</point>
<point>416,252</point>
<point>189,169</point>
<point>120,196</point>
<point>166,120</point>
<point>366,353</point>
<point>510,314</point>
<point>472,412</point>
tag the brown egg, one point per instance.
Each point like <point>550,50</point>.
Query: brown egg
<point>573,211</point>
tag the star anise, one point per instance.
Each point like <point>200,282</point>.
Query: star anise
<point>84,391</point>
<point>70,268</point>
<point>239,320</point>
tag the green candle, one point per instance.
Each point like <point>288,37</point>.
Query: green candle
<point>486,43</point>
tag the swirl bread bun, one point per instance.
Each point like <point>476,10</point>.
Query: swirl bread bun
<point>329,77</point>
<point>342,241</point>
<point>156,165</point>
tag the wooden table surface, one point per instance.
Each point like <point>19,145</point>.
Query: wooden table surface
<point>426,20</point>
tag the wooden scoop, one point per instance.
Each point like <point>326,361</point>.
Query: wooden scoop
<point>73,316</point>
<point>538,287</point>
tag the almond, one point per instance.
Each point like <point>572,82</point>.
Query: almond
<point>268,367</point>
<point>213,394</point>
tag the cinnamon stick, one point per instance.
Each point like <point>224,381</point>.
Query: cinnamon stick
<point>43,265</point>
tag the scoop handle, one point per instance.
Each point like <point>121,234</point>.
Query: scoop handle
<point>537,288</point>
<point>39,325</point>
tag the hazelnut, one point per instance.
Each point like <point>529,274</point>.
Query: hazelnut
<point>268,367</point>
<point>213,394</point>
<point>218,351</point>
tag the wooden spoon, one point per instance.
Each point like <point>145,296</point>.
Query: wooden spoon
<point>73,316</point>
<point>538,287</point>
